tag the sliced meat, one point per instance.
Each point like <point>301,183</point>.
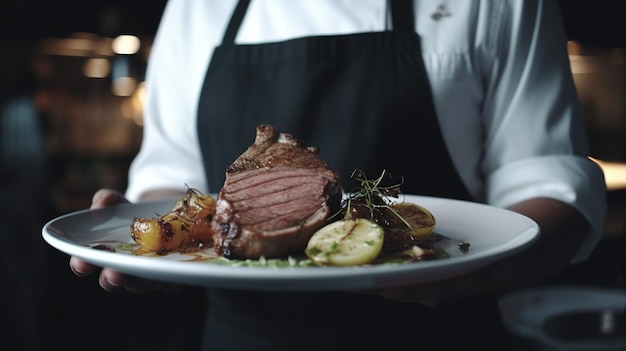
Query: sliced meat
<point>276,195</point>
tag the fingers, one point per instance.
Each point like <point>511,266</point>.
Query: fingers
<point>113,281</point>
<point>109,279</point>
<point>106,197</point>
<point>81,268</point>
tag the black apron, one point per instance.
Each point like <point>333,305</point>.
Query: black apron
<point>364,99</point>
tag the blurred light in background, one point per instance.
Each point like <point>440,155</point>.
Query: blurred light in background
<point>124,81</point>
<point>126,45</point>
<point>79,45</point>
<point>97,68</point>
<point>600,77</point>
<point>614,174</point>
<point>132,108</point>
<point>123,86</point>
<point>618,56</point>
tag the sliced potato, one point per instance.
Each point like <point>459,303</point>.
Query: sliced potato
<point>346,243</point>
<point>416,220</point>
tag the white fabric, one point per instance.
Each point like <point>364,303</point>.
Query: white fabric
<point>498,69</point>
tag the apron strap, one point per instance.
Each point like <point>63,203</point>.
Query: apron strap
<point>402,15</point>
<point>235,21</point>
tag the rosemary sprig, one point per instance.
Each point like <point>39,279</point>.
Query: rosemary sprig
<point>372,196</point>
<point>370,193</point>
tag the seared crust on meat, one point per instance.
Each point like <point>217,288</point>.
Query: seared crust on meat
<point>276,195</point>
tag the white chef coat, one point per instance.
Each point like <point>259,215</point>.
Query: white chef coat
<point>498,69</point>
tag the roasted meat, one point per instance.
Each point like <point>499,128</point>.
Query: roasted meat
<point>275,196</point>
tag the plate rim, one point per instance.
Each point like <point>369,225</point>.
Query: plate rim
<point>290,278</point>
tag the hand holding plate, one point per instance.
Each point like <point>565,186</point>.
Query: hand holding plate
<point>111,280</point>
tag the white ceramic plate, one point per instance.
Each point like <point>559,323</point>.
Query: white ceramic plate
<point>492,233</point>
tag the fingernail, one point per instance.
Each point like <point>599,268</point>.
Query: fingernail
<point>108,285</point>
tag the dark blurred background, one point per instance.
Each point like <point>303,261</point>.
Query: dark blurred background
<point>70,123</point>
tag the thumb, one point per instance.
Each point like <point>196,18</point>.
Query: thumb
<point>107,197</point>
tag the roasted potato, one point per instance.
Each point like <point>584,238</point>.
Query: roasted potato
<point>188,223</point>
<point>194,206</point>
<point>167,233</point>
<point>411,218</point>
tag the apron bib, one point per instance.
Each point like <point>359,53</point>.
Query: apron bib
<point>365,101</point>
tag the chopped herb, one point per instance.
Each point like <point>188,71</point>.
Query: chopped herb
<point>263,262</point>
<point>126,246</point>
<point>314,251</point>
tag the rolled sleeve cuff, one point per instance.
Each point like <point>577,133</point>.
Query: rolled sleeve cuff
<point>574,180</point>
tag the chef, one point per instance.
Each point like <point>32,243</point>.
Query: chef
<point>470,100</point>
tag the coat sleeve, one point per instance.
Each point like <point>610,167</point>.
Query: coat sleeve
<point>535,139</point>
